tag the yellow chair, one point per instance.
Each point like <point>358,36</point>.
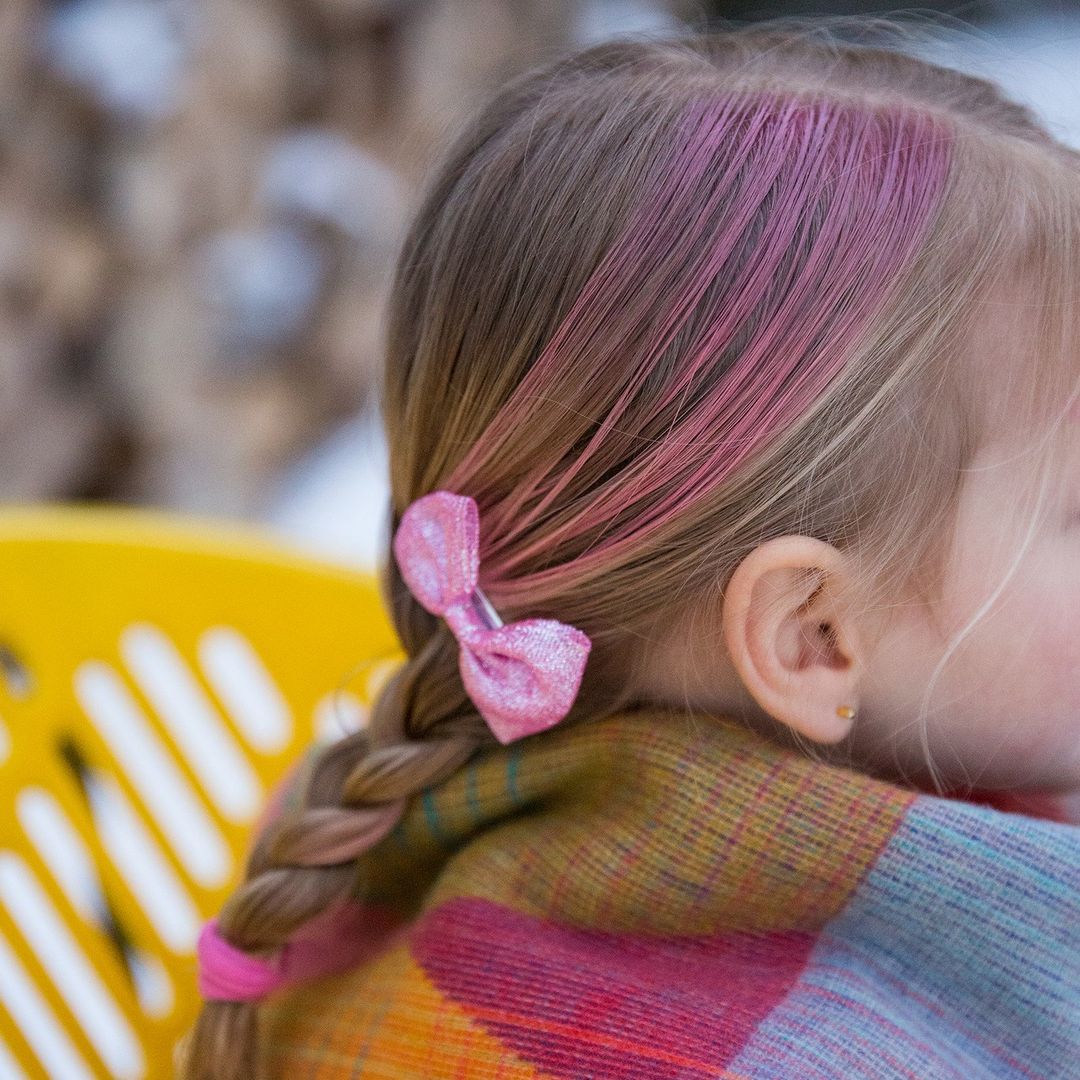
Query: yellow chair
<point>158,673</point>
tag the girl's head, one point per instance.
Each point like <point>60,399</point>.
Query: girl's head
<point>753,349</point>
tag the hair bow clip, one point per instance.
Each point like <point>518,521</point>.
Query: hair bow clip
<point>523,676</point>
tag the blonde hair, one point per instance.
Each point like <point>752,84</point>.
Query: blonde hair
<point>663,299</point>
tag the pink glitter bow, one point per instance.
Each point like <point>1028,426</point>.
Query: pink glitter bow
<point>523,676</point>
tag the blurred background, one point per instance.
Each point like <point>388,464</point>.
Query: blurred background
<point>200,202</point>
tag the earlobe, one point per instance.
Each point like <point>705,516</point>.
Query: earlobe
<point>784,632</point>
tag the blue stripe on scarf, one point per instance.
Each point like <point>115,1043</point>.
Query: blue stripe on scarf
<point>947,962</point>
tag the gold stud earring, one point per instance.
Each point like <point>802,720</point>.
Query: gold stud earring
<point>846,711</point>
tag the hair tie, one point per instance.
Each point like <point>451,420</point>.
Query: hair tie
<point>522,676</point>
<point>335,940</point>
<point>227,973</point>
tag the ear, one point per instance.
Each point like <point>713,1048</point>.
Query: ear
<point>785,628</point>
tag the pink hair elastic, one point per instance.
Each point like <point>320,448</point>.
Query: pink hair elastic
<point>336,940</point>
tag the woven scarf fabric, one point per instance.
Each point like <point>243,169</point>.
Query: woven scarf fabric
<point>658,895</point>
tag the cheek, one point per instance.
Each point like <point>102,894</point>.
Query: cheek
<point>1032,665</point>
<point>1036,655</point>
<point>1022,659</point>
<point>1058,658</point>
<point>1046,618</point>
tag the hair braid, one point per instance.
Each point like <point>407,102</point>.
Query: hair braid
<point>303,861</point>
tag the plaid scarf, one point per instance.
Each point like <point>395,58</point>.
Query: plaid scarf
<point>665,896</point>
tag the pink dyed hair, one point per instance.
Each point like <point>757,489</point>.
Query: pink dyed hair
<point>792,309</point>
<point>664,299</point>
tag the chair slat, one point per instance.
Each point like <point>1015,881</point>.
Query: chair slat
<point>197,633</point>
